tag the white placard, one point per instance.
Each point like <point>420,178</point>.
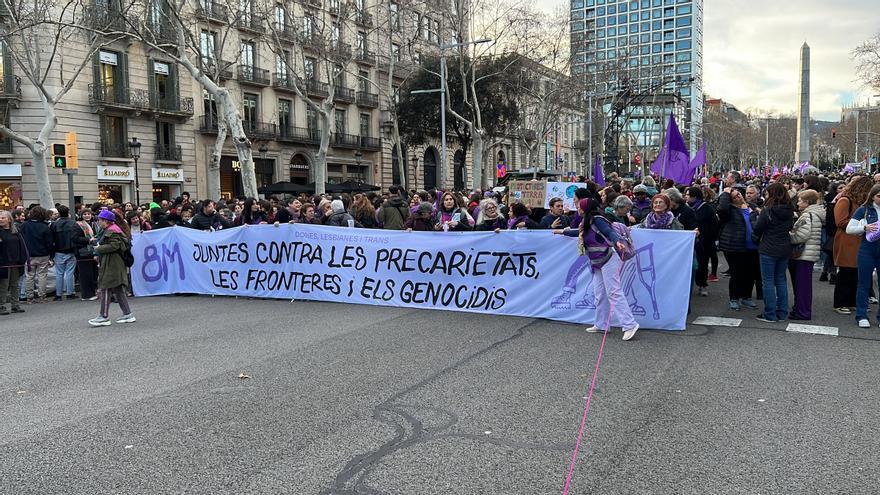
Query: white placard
<point>111,173</point>
<point>10,170</point>
<point>161,68</point>
<point>108,58</point>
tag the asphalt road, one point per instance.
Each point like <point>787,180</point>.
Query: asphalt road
<point>346,399</point>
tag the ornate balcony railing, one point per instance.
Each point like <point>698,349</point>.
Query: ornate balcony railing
<point>300,135</point>
<point>115,150</point>
<point>346,141</point>
<point>169,152</point>
<point>10,85</point>
<point>365,99</point>
<point>212,11</point>
<point>343,95</point>
<point>249,74</point>
<point>317,88</point>
<point>371,143</point>
<point>119,97</point>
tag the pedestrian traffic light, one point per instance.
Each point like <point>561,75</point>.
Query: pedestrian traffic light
<point>71,151</point>
<point>833,133</point>
<point>59,156</point>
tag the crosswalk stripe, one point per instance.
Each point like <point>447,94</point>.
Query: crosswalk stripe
<point>717,322</point>
<point>815,329</point>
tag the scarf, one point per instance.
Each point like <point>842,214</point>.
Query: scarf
<point>696,204</point>
<point>86,228</point>
<point>663,222</point>
<point>514,221</point>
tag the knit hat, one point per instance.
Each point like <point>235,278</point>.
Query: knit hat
<point>107,215</point>
<point>337,205</point>
<point>641,188</point>
<point>154,205</point>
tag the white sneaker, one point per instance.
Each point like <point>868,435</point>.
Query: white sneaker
<point>864,323</point>
<point>99,321</point>
<point>129,318</point>
<point>628,334</point>
<point>594,329</point>
<point>704,291</point>
<point>872,300</point>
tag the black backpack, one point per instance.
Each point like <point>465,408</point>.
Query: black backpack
<point>63,234</point>
<point>127,256</point>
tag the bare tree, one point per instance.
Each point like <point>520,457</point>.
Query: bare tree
<point>867,58</point>
<point>46,39</point>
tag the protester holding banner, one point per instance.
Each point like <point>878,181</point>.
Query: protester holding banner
<point>489,218</point>
<point>597,241</point>
<point>661,217</point>
<point>772,230</point>
<point>422,220</point>
<point>619,211</point>
<point>112,272</point>
<point>519,218</point>
<point>450,216</point>
<point>641,203</point>
<point>846,246</point>
<point>864,223</point>
<point>736,220</point>
<point>207,218</point>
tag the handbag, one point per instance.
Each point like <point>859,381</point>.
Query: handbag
<point>797,250</point>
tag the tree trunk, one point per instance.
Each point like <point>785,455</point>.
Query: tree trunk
<point>241,142</point>
<point>321,158</point>
<point>41,171</point>
<point>216,153</point>
<point>401,157</point>
<point>477,164</point>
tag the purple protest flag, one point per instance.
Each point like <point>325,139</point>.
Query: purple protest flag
<point>598,172</point>
<point>674,160</point>
<point>775,169</point>
<point>752,171</point>
<point>696,164</point>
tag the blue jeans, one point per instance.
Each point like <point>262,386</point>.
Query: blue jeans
<point>65,264</point>
<point>868,261</point>
<point>775,287</point>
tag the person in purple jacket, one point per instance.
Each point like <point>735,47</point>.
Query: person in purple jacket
<point>597,240</point>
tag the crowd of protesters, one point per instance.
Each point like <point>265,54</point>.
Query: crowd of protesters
<point>772,232</point>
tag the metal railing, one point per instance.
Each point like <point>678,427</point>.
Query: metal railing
<point>317,88</point>
<point>285,81</point>
<point>365,99</point>
<point>104,19</point>
<point>172,104</point>
<point>261,130</point>
<point>169,152</point>
<point>251,22</point>
<point>342,49</point>
<point>311,42</point>
<point>287,32</point>
<point>343,95</point>
<point>299,135</point>
<point>208,124</point>
<point>115,150</point>
<point>253,75</point>
<point>363,18</point>
<point>581,144</point>
<point>371,143</point>
<point>364,56</point>
<point>118,96</point>
<point>346,141</point>
<point>212,11</point>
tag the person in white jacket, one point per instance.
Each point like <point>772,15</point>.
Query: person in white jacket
<point>806,238</point>
<point>865,222</point>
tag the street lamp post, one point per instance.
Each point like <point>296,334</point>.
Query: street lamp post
<point>135,148</point>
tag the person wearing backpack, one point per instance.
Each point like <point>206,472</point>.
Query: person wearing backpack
<point>112,271</point>
<point>63,231</point>
<point>603,244</point>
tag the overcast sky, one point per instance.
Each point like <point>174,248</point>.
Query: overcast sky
<point>751,51</point>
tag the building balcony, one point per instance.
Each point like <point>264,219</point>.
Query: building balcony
<point>248,74</point>
<point>163,32</point>
<point>368,100</point>
<point>259,130</point>
<point>365,57</point>
<point>299,135</point>
<point>350,141</point>
<point>363,19</point>
<point>172,105</point>
<point>250,22</point>
<point>286,33</point>
<point>208,124</point>
<point>115,150</point>
<point>286,82</point>
<point>223,71</point>
<point>102,18</point>
<point>10,87</point>
<point>212,11</point>
<point>311,42</point>
<point>169,153</point>
<point>581,144</point>
<point>316,88</point>
<point>402,68</point>
<point>342,50</point>
<point>343,95</point>
<point>371,143</point>
<point>118,98</point>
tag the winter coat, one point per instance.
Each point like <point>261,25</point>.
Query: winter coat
<point>846,247</point>
<point>733,229</point>
<point>807,230</point>
<point>419,224</point>
<point>707,223</point>
<point>205,222</point>
<point>393,213</point>
<point>773,230</point>
<point>339,219</point>
<point>63,231</point>
<point>547,221</point>
<point>38,238</point>
<point>490,224</point>
<point>13,251</point>
<point>463,222</point>
<point>686,217</point>
<point>111,269</point>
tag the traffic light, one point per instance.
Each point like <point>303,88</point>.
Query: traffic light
<point>833,133</point>
<point>72,155</point>
<point>59,156</point>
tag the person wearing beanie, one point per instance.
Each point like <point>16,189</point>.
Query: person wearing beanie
<point>422,220</point>
<point>597,241</point>
<point>112,272</point>
<point>339,217</point>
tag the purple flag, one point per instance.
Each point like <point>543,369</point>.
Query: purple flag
<point>673,162</point>
<point>698,161</point>
<point>598,172</point>
<point>775,169</point>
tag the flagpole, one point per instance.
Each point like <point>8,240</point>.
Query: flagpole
<point>666,147</point>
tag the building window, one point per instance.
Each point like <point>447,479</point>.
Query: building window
<point>280,17</point>
<point>363,81</point>
<point>251,104</point>
<point>282,69</point>
<point>163,85</point>
<point>248,56</point>
<point>365,124</point>
<point>310,68</point>
<point>113,136</point>
<point>285,114</point>
<point>207,44</point>
<point>109,76</point>
<point>395,16</point>
<point>362,43</point>
<point>165,142</point>
<point>340,121</point>
<point>308,26</point>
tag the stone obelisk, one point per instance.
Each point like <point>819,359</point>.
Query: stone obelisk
<point>802,152</point>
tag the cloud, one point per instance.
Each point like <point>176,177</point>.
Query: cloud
<point>751,51</point>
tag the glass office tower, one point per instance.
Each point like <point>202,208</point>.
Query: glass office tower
<point>648,55</point>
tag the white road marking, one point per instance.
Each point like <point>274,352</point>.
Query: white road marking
<point>816,329</point>
<point>717,322</point>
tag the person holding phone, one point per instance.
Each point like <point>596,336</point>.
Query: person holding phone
<point>450,216</point>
